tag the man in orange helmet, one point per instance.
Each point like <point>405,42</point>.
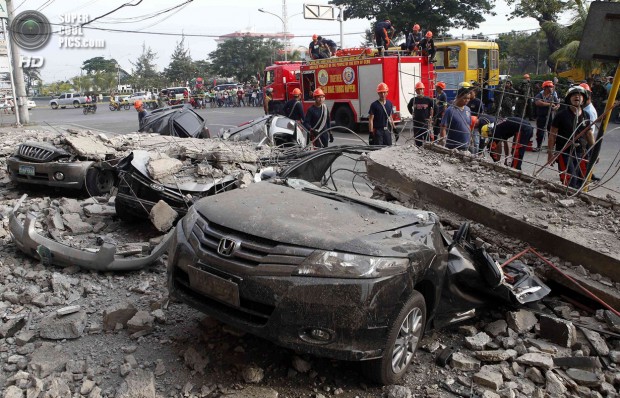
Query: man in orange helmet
<point>293,108</point>
<point>380,118</point>
<point>421,109</point>
<point>317,121</point>
<point>427,46</point>
<point>413,39</point>
<point>314,49</point>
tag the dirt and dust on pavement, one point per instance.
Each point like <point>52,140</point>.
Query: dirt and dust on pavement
<point>73,332</point>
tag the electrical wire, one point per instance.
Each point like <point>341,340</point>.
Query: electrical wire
<point>110,12</point>
<point>142,18</point>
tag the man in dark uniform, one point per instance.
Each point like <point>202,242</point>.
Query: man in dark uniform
<point>421,109</point>
<point>293,108</point>
<point>519,130</point>
<point>317,121</point>
<point>380,117</point>
<point>441,101</point>
<point>427,46</point>
<point>563,142</point>
<point>506,99</point>
<point>315,48</point>
<point>383,34</point>
<point>329,45</point>
<point>413,40</point>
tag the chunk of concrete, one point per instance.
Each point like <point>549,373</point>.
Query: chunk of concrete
<point>70,205</point>
<point>253,374</point>
<point>141,321</point>
<point>13,392</point>
<point>521,321</point>
<point>89,146</point>
<point>194,360</point>
<point>159,168</point>
<point>163,216</point>
<point>139,383</point>
<point>74,222</point>
<point>254,392</point>
<point>494,355</point>
<point>554,386</point>
<point>543,361</point>
<point>48,359</point>
<point>497,328</point>
<point>598,343</point>
<point>56,327</point>
<point>464,362</point>
<point>11,326</point>
<point>489,379</point>
<point>558,331</point>
<point>477,342</point>
<point>118,313</point>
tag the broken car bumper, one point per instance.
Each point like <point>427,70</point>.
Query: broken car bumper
<point>51,252</point>
<point>52,174</point>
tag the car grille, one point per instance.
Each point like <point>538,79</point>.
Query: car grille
<point>35,153</point>
<point>251,251</point>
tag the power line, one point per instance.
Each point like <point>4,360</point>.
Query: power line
<point>143,17</point>
<point>113,11</point>
<point>20,4</point>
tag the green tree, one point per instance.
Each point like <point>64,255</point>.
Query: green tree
<point>522,52</point>
<point>242,58</point>
<point>144,74</point>
<point>99,64</point>
<point>31,76</point>
<point>437,16</point>
<point>181,67</point>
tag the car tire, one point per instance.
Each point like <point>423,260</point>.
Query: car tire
<point>403,339</point>
<point>54,105</point>
<point>344,117</point>
<point>85,110</point>
<point>76,104</point>
<point>126,107</point>
<point>98,182</point>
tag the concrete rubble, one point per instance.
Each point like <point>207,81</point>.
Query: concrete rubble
<point>72,332</point>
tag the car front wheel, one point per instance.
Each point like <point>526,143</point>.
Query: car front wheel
<point>54,105</point>
<point>76,104</point>
<point>98,181</point>
<point>403,340</point>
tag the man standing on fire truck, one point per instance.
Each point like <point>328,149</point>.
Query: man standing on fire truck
<point>382,37</point>
<point>380,118</point>
<point>317,121</point>
<point>421,109</point>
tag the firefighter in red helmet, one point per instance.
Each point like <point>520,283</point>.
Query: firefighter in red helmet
<point>380,123</point>
<point>317,121</point>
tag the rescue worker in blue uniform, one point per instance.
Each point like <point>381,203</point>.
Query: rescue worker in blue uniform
<point>317,121</point>
<point>293,108</point>
<point>383,34</point>
<point>380,118</point>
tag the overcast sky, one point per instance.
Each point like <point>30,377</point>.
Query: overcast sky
<point>208,18</point>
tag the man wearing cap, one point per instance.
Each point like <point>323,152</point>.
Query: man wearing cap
<point>455,124</point>
<point>566,140</point>
<point>546,102</point>
<point>317,121</point>
<point>380,118</point>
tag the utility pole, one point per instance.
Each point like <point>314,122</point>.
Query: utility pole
<point>285,28</point>
<point>19,87</point>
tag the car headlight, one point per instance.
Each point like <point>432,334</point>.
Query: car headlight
<point>347,265</point>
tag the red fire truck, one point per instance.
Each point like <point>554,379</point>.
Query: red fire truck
<point>350,83</point>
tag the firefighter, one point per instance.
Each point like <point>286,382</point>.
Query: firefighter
<point>546,102</point>
<point>317,121</point>
<point>330,46</point>
<point>421,109</point>
<point>380,118</point>
<point>441,101</point>
<point>427,46</point>
<point>563,141</point>
<point>413,39</point>
<point>315,48</point>
<point>383,34</point>
<point>293,108</point>
<point>520,130</point>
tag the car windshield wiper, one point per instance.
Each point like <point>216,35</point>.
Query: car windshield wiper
<point>347,199</point>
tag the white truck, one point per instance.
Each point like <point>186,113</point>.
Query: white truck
<point>68,99</point>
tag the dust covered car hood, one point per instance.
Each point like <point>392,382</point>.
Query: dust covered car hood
<point>299,213</point>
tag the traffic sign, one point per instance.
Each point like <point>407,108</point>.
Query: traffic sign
<point>602,25</point>
<point>318,11</point>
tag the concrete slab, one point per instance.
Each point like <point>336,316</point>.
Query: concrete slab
<point>502,199</point>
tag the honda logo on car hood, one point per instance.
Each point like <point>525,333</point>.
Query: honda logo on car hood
<point>227,247</point>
